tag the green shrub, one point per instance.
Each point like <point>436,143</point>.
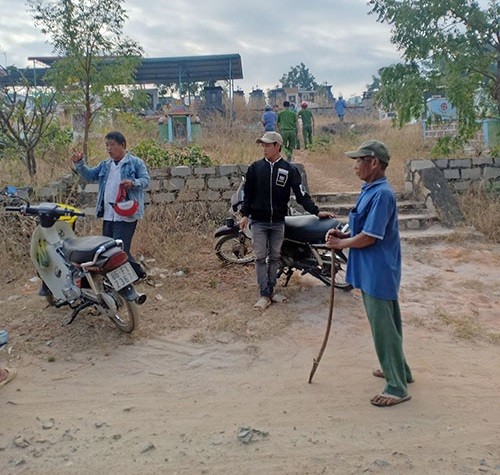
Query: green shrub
<point>158,156</point>
<point>56,140</point>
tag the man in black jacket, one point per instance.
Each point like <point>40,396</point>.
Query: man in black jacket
<point>266,195</point>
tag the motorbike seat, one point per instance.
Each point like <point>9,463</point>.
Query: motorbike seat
<point>308,228</point>
<point>83,249</point>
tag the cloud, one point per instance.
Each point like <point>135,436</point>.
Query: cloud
<point>337,41</point>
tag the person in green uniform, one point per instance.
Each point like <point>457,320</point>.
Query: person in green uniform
<point>307,123</point>
<point>287,126</point>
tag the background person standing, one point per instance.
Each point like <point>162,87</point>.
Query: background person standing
<point>120,169</point>
<point>307,123</point>
<point>340,108</point>
<point>374,266</point>
<point>287,127</point>
<point>269,119</point>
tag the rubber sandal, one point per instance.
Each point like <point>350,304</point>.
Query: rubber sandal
<point>388,400</point>
<point>11,374</point>
<point>262,303</point>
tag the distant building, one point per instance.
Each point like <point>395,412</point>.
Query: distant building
<point>321,97</point>
<point>276,96</point>
<point>239,99</point>
<point>213,98</point>
<point>257,99</point>
<point>440,107</point>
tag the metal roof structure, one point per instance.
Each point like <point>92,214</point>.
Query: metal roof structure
<point>174,70</point>
<point>189,69</point>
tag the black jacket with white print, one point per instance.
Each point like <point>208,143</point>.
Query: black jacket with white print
<point>267,191</point>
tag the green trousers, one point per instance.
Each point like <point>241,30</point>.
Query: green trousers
<point>289,136</point>
<point>307,134</point>
<point>385,322</point>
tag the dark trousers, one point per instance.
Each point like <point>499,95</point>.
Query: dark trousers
<point>125,231</point>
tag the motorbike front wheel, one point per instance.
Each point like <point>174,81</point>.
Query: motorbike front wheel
<point>123,313</point>
<point>234,249</point>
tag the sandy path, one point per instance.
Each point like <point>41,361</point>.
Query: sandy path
<point>167,405</point>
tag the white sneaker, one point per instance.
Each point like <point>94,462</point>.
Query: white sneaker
<point>262,303</point>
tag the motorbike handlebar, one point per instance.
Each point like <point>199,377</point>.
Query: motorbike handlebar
<point>45,209</point>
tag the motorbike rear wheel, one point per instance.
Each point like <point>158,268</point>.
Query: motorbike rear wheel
<point>123,313</point>
<point>234,250</point>
<point>126,321</point>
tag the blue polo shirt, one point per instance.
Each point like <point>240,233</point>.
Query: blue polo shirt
<point>269,118</point>
<point>376,269</point>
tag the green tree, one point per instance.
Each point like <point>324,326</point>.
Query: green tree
<point>451,48</point>
<point>96,57</point>
<point>372,88</point>
<point>299,76</point>
<point>26,115</point>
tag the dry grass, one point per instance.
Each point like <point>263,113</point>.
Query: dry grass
<point>431,282</point>
<point>482,210</point>
<point>476,285</point>
<point>327,168</point>
<point>195,292</point>
<point>462,326</point>
<point>466,327</point>
<point>235,143</point>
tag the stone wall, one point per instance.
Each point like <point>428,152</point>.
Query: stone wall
<point>209,189</point>
<point>437,182</point>
<point>458,173</point>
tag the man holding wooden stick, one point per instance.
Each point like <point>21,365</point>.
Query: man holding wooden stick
<point>374,266</point>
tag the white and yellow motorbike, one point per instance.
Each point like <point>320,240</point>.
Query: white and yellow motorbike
<point>81,272</point>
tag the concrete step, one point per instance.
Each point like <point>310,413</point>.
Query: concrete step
<point>417,221</point>
<point>417,225</point>
<point>413,215</point>
<point>404,207</point>
<point>344,197</point>
<point>334,198</point>
<point>438,233</point>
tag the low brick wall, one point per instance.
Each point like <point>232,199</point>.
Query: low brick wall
<point>437,182</point>
<point>209,189</point>
<point>458,173</point>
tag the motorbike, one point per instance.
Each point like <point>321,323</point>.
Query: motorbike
<point>80,272</point>
<point>303,247</point>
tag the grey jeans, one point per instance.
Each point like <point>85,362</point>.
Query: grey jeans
<point>267,241</point>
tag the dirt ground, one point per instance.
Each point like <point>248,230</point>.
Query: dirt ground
<point>209,386</point>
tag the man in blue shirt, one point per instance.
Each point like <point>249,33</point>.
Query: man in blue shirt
<point>374,266</point>
<point>340,108</point>
<point>269,119</point>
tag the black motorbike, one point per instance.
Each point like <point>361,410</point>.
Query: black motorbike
<point>303,248</point>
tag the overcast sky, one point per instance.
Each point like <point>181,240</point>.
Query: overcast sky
<point>336,39</point>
